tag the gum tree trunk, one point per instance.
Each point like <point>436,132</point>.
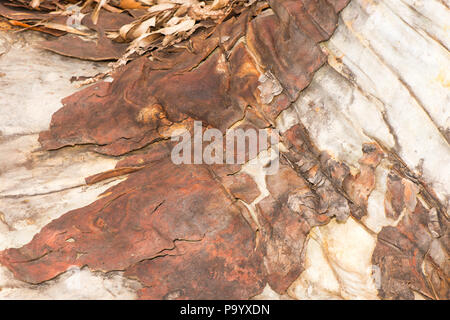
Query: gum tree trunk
<point>357,93</point>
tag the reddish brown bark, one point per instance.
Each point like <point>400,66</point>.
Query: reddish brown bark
<point>183,231</point>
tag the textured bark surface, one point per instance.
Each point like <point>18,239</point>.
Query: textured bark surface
<point>192,239</point>
<point>413,247</point>
<point>355,211</point>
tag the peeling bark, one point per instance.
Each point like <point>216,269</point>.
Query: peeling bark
<point>219,231</point>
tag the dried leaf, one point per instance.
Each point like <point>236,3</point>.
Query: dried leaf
<point>130,4</point>
<point>72,46</point>
<point>184,25</point>
<point>143,27</point>
<point>53,32</point>
<point>63,27</point>
<point>97,10</point>
<point>161,7</point>
<point>219,4</point>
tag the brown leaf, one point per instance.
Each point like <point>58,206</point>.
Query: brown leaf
<point>72,46</point>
